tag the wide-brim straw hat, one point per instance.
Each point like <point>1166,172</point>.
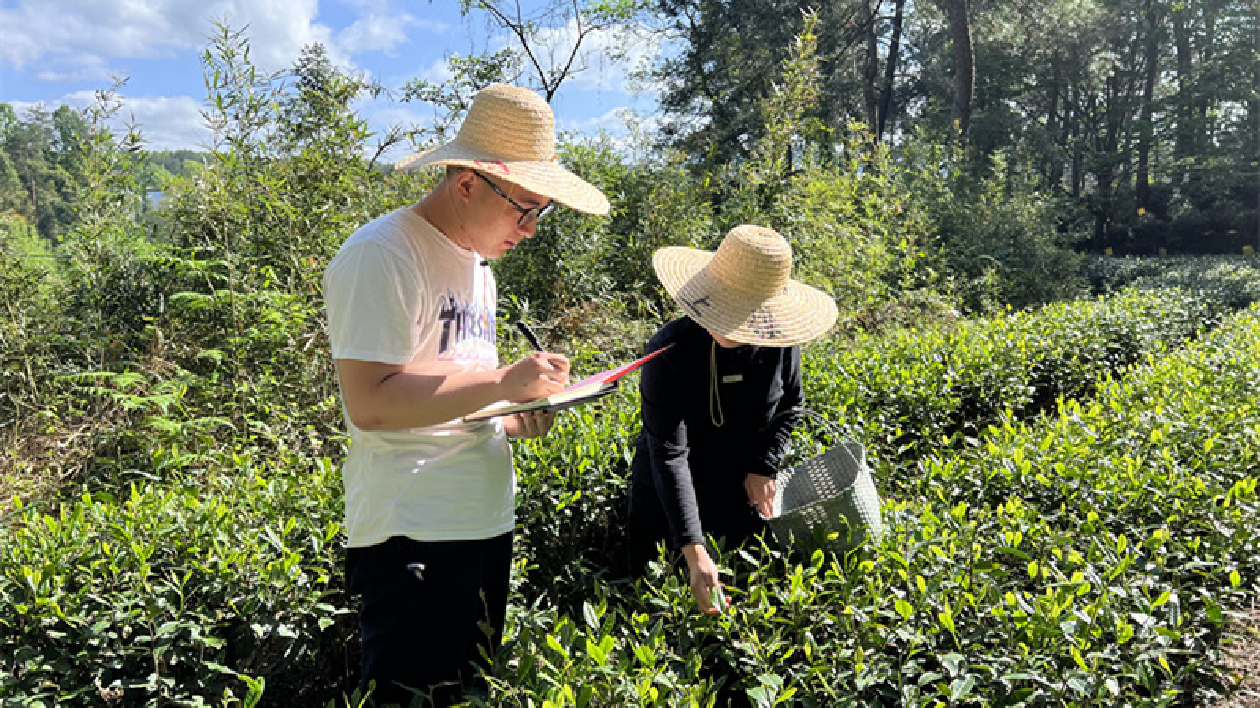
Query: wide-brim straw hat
<point>510,133</point>
<point>744,290</point>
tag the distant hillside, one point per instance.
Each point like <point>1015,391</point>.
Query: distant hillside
<point>175,161</point>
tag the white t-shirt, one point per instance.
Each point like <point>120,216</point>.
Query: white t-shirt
<point>398,292</point>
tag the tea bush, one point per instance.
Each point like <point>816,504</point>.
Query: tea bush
<point>205,561</point>
<point>119,599</point>
<point>1077,560</point>
<point>1230,279</point>
<point>913,391</point>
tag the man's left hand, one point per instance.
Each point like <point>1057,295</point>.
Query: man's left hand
<point>530,424</point>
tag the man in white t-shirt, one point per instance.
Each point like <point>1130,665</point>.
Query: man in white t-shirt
<point>411,316</point>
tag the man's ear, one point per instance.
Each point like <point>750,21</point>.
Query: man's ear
<point>462,182</point>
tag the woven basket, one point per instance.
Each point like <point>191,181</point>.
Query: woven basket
<point>827,501</point>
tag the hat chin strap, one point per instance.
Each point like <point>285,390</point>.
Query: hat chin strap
<point>715,399</point>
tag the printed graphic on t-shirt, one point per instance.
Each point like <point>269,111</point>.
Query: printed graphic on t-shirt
<point>467,329</point>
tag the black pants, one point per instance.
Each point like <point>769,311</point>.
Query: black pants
<point>724,513</point>
<point>425,627</point>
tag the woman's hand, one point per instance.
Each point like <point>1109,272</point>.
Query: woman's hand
<point>760,493</point>
<point>704,577</point>
<point>529,424</point>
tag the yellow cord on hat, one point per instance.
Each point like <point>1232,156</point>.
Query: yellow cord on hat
<point>715,400</point>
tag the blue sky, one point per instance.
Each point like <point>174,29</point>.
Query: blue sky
<point>61,51</point>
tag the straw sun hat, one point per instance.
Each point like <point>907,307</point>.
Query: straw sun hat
<point>510,133</point>
<point>744,291</point>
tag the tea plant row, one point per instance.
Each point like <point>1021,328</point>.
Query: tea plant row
<point>1087,558</point>
<point>182,583</point>
<point>904,396</point>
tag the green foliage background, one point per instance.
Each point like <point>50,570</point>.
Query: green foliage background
<point>1069,477</point>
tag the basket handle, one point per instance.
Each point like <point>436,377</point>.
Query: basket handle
<point>836,433</point>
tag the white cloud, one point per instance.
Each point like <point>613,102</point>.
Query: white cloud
<point>57,30</point>
<point>77,68</point>
<point>623,127</point>
<point>169,122</point>
<point>439,72</point>
<point>611,121</point>
<point>64,35</point>
<point>278,29</point>
<point>374,33</point>
<point>164,122</point>
<point>380,29</point>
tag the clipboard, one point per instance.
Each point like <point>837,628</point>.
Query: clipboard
<point>584,391</point>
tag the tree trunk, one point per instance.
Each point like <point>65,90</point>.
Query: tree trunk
<point>964,64</point>
<point>1142,189</point>
<point>1127,98</point>
<point>1072,137</point>
<point>870,90</point>
<point>1052,101</point>
<point>1107,140</point>
<point>1207,55</point>
<point>890,67</point>
<point>1053,166</point>
<point>1184,142</point>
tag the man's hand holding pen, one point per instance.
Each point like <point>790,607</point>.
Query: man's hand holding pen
<point>553,369</point>
<point>541,374</point>
<point>537,374</point>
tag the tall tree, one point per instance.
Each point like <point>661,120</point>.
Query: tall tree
<point>870,73</point>
<point>890,68</point>
<point>731,53</point>
<point>40,163</point>
<point>964,62</point>
<point>1153,40</point>
<point>1185,143</point>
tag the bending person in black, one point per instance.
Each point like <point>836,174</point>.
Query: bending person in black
<point>718,408</point>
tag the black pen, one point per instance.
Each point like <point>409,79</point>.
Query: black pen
<point>529,335</point>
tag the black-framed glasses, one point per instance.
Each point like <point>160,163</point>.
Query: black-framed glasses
<point>528,214</point>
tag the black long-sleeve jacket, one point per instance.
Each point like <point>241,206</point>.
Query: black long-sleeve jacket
<point>685,462</point>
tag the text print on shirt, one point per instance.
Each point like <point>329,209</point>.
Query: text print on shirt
<point>463,321</point>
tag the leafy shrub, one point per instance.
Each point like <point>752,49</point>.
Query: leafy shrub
<point>281,189</point>
<point>1228,279</point>
<point>144,595</point>
<point>1051,565</point>
<point>845,208</point>
<point>28,291</point>
<point>575,259</point>
<point>996,236</point>
<point>913,391</point>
